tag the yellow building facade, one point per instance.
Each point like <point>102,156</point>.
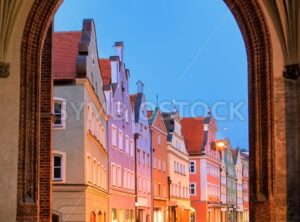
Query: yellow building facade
<point>178,173</point>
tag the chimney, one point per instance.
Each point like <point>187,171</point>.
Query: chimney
<point>140,86</point>
<point>120,50</point>
<point>114,68</point>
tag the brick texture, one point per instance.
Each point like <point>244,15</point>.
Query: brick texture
<point>34,189</point>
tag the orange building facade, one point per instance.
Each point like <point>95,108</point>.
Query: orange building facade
<point>159,164</point>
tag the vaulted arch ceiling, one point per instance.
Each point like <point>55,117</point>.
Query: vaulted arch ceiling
<point>286,18</point>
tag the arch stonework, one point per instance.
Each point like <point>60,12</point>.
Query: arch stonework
<point>34,165</point>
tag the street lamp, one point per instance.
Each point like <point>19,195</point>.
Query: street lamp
<point>219,145</point>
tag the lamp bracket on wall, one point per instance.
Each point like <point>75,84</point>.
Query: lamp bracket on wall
<point>292,71</point>
<point>4,69</point>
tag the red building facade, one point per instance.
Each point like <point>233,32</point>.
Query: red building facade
<point>204,168</point>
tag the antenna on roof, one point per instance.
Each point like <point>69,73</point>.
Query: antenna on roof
<point>209,112</point>
<point>156,100</point>
<point>174,105</point>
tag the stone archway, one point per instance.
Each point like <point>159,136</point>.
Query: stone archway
<point>34,167</point>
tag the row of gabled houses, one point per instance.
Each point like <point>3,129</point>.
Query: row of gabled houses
<point>113,160</point>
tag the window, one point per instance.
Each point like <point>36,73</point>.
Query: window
<point>104,177</point>
<point>164,166</point>
<point>126,116</point>
<point>125,178</point>
<point>148,159</point>
<point>102,136</point>
<point>95,172</point>
<point>88,118</point>
<point>144,158</point>
<point>131,148</point>
<point>114,174</point>
<point>158,140</point>
<point>99,175</point>
<point>192,189</point>
<point>192,166</point>
<point>159,164</point>
<point>121,139</point>
<point>139,156</point>
<point>89,169</point>
<point>159,189</point>
<point>140,183</point>
<point>55,218</point>
<point>148,186</point>
<point>119,176</point>
<point>57,167</point>
<point>129,179</point>
<point>114,215</point>
<point>59,112</point>
<point>119,108</point>
<point>92,78</point>
<point>114,135</point>
<point>127,144</point>
<point>154,162</point>
<point>96,88</point>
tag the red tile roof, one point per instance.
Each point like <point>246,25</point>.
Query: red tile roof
<point>105,67</point>
<point>193,132</point>
<point>133,100</point>
<point>65,52</point>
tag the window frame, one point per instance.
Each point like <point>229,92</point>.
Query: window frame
<point>114,136</point>
<point>195,189</point>
<point>63,124</point>
<point>195,167</point>
<point>63,166</point>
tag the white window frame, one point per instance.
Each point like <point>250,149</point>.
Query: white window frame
<point>114,174</point>
<point>89,169</point>
<point>127,148</point>
<point>119,176</point>
<point>120,139</point>
<point>131,148</point>
<point>114,136</point>
<point>95,172</point>
<point>99,172</point>
<point>118,108</point>
<point>126,116</point>
<point>63,112</point>
<point>195,189</point>
<point>63,166</point>
<point>195,167</point>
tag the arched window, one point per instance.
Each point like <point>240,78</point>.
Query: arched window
<point>100,217</point>
<point>92,217</point>
<point>56,218</point>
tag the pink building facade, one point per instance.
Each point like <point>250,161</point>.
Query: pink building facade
<point>144,199</point>
<point>120,137</point>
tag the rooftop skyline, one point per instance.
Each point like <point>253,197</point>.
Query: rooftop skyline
<point>191,53</point>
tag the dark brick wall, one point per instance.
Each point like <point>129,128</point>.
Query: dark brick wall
<point>34,167</point>
<point>46,130</point>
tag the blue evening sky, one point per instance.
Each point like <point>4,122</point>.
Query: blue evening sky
<point>188,51</point>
